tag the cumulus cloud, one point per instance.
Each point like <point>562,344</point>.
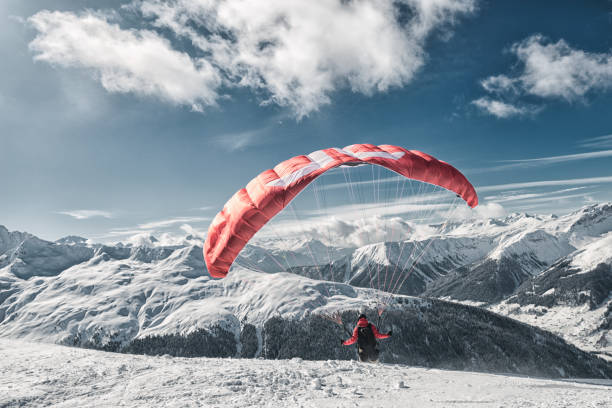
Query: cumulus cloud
<point>355,232</point>
<point>557,70</point>
<point>136,61</point>
<point>85,214</point>
<point>500,109</point>
<point>548,70</point>
<point>483,211</point>
<point>295,54</point>
<point>190,230</point>
<point>360,224</point>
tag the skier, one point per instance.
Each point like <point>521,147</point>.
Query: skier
<point>365,334</point>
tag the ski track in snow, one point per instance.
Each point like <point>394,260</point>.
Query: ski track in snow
<point>33,374</point>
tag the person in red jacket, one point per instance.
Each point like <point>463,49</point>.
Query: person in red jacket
<point>365,334</point>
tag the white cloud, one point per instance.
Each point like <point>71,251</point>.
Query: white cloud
<point>120,232</point>
<point>85,214</point>
<point>512,196</point>
<point>499,84</point>
<point>600,142</point>
<point>351,211</point>
<point>238,141</point>
<point>500,109</point>
<point>565,158</point>
<point>353,184</point>
<point>549,71</point>
<point>170,222</point>
<point>17,19</point>
<point>556,70</point>
<point>548,160</point>
<point>354,232</point>
<point>543,161</point>
<point>159,233</point>
<point>551,198</point>
<point>136,61</point>
<point>150,240</point>
<point>360,224</point>
<point>279,46</point>
<point>297,52</point>
<point>482,211</point>
<point>188,229</point>
<point>545,183</point>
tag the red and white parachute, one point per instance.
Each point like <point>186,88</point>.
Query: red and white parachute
<point>250,208</point>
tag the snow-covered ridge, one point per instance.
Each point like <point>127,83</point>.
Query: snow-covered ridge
<point>594,253</point>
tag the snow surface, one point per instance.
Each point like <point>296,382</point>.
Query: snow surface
<point>41,375</point>
<point>594,253</point>
<point>576,324</point>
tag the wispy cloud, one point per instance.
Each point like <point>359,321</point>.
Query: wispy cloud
<point>600,142</point>
<point>352,211</point>
<point>17,19</point>
<point>121,232</point>
<point>548,198</point>
<point>352,184</point>
<point>546,183</point>
<point>85,214</point>
<point>543,161</point>
<point>238,141</point>
<point>161,232</point>
<point>170,222</point>
<point>517,197</point>
<point>502,109</point>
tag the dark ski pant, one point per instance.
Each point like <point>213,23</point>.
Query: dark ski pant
<point>368,353</point>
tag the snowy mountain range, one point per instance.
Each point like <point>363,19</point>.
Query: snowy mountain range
<point>551,272</point>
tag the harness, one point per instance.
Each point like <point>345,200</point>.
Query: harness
<point>365,337</point>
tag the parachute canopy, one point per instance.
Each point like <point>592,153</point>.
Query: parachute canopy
<point>250,208</point>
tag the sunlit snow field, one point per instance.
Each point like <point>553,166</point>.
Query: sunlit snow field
<point>34,374</point>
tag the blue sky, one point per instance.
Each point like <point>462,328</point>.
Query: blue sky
<point>120,117</point>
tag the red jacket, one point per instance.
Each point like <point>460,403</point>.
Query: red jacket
<point>363,323</point>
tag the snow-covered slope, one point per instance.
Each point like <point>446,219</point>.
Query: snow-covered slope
<point>573,297</point>
<point>44,375</point>
<point>520,246</point>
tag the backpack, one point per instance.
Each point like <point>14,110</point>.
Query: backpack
<point>366,336</point>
